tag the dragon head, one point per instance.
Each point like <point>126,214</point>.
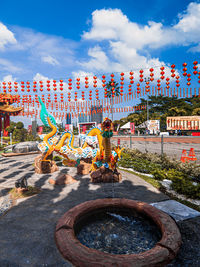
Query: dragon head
<point>107,128</point>
<point>44,114</point>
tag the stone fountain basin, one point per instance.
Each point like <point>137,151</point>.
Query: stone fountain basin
<point>72,250</point>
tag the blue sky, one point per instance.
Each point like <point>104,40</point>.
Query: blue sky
<point>63,39</point>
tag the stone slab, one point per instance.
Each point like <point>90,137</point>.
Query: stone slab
<point>177,210</point>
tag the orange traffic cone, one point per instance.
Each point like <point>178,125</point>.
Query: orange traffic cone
<point>192,155</point>
<point>184,157</point>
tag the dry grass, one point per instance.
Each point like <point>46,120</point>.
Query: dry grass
<point>30,192</point>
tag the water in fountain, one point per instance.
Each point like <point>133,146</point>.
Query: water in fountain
<point>118,232</point>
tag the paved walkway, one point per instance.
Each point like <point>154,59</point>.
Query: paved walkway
<point>27,229</point>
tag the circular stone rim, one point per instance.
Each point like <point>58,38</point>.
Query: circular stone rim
<point>78,254</point>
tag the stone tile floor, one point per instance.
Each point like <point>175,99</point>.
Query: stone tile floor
<point>27,229</point>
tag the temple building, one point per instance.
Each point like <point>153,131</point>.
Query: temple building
<point>6,110</point>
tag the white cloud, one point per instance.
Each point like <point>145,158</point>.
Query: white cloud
<point>49,59</point>
<point>130,44</point>
<point>9,78</point>
<point>6,36</point>
<point>99,60</point>
<point>39,77</point>
<point>190,20</point>
<point>112,24</point>
<point>9,66</point>
<point>33,47</point>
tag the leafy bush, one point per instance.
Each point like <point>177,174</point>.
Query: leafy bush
<point>30,137</point>
<point>20,134</point>
<point>181,174</point>
<point>19,125</point>
<point>159,174</point>
<point>186,187</point>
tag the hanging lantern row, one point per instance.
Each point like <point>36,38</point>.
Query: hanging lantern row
<point>78,83</point>
<point>138,88</point>
<point>131,83</point>
<point>162,73</point>
<point>104,86</point>
<point>177,81</point>
<point>167,82</point>
<point>55,85</point>
<point>121,83</point>
<point>86,82</point>
<point>112,83</point>
<point>95,87</point>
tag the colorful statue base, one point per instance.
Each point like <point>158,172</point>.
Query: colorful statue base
<point>105,175</point>
<point>48,166</point>
<point>84,166</point>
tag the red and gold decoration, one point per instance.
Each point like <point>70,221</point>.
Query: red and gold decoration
<point>61,95</point>
<point>173,70</point>
<point>6,110</point>
<point>121,83</point>
<point>131,83</point>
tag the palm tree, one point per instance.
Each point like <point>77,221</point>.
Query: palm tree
<point>109,87</point>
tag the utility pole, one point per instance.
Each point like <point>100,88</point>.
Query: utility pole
<point>112,107</point>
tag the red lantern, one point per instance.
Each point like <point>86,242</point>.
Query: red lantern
<point>122,83</point>
<point>78,83</point>
<point>172,71</point>
<point>95,81</point>
<point>195,67</point>
<point>162,73</point>
<point>86,82</point>
<point>151,74</point>
<point>131,82</point>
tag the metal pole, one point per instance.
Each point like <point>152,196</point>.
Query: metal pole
<point>1,138</point>
<point>147,108</point>
<point>112,108</point>
<point>10,138</point>
<point>162,145</point>
<point>130,141</point>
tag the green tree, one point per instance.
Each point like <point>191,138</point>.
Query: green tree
<point>175,111</point>
<point>20,134</point>
<point>19,125</point>
<point>196,112</point>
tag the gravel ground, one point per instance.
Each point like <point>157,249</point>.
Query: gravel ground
<point>27,228</point>
<point>189,254</point>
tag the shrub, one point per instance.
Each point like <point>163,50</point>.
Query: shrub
<point>20,134</point>
<point>181,174</point>
<point>186,187</point>
<point>159,174</point>
<point>19,125</point>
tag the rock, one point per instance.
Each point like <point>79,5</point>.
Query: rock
<point>166,183</point>
<point>63,179</point>
<point>45,166</point>
<point>103,175</point>
<point>83,168</point>
<point>86,160</point>
<point>95,174</point>
<point>20,190</point>
<point>24,147</point>
<point>102,169</point>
